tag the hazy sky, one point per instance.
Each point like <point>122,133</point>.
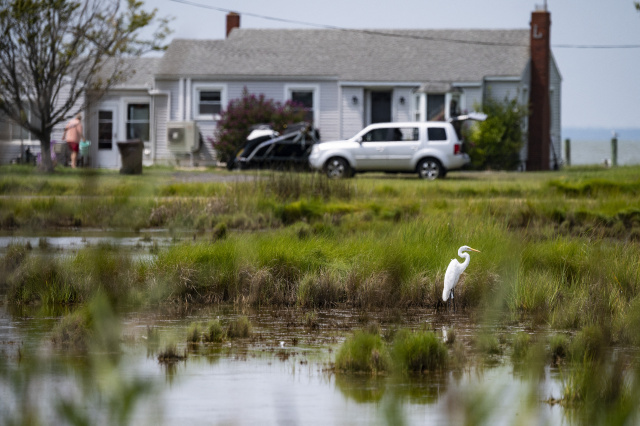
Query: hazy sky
<point>600,88</point>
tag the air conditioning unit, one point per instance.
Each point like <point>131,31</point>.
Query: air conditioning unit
<point>183,137</point>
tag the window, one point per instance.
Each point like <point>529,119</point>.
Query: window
<point>105,130</point>
<point>376,135</point>
<point>435,108</point>
<point>437,134</point>
<point>392,134</point>
<point>307,98</point>
<point>208,101</point>
<point>138,121</point>
<point>304,98</point>
<point>408,134</point>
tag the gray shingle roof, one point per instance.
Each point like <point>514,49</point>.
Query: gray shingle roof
<point>137,72</point>
<point>398,56</point>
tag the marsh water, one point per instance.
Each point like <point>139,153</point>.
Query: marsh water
<point>281,375</point>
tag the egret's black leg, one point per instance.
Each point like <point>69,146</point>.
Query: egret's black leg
<point>454,300</point>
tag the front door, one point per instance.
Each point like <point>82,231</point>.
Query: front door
<point>380,107</point>
<point>107,149</point>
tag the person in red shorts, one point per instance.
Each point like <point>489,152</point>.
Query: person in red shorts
<point>73,134</point>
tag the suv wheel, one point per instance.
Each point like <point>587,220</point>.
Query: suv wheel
<point>337,168</point>
<point>430,169</point>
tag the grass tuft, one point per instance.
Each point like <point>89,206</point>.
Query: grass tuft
<point>418,351</point>
<point>239,327</point>
<point>363,352</point>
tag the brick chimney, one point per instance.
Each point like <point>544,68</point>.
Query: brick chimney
<point>540,118</point>
<point>233,21</point>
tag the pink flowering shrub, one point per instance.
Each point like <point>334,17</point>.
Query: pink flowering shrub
<point>235,122</point>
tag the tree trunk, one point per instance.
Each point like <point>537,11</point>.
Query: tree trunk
<point>46,164</point>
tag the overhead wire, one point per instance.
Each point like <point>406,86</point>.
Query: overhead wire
<point>401,35</point>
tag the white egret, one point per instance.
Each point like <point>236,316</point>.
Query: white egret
<point>454,270</point>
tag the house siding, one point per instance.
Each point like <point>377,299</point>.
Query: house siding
<point>173,88</point>
<point>161,117</point>
<point>472,98</point>
<point>402,111</point>
<point>182,108</point>
<point>500,90</point>
<point>352,115</point>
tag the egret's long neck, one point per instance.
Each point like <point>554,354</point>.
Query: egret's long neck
<point>466,257</point>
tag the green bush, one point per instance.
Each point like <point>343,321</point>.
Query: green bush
<point>496,142</point>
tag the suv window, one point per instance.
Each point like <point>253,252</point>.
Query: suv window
<point>395,134</point>
<point>437,134</point>
<point>376,135</point>
<point>409,134</point>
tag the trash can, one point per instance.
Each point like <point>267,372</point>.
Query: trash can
<point>131,155</point>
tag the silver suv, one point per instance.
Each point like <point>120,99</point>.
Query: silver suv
<point>428,148</point>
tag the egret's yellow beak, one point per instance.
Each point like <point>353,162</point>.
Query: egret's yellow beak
<point>475,250</point>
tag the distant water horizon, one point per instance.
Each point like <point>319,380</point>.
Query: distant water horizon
<point>593,145</point>
<point>596,133</point>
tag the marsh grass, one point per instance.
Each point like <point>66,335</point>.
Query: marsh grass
<point>215,332</point>
<point>418,351</point>
<point>73,331</point>
<point>488,345</point>
<point>558,348</point>
<point>239,327</point>
<point>520,344</point>
<point>364,353</point>
<point>170,354</point>
<point>549,247</point>
<point>194,333</point>
<point>601,393</point>
<point>14,256</point>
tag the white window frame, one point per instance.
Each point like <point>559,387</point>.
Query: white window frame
<point>314,89</point>
<point>126,115</point>
<point>196,88</point>
<point>419,107</point>
<point>123,112</point>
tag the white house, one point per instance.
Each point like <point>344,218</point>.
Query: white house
<point>346,78</point>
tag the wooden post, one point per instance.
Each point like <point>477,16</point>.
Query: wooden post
<point>567,151</point>
<point>614,150</point>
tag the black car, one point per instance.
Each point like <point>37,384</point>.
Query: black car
<point>266,148</point>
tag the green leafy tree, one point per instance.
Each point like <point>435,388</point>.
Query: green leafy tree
<point>235,122</point>
<point>52,52</point>
<point>496,142</point>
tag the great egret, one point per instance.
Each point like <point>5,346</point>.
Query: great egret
<point>454,270</point>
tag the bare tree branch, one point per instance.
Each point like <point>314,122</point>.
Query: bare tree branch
<point>51,52</point>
